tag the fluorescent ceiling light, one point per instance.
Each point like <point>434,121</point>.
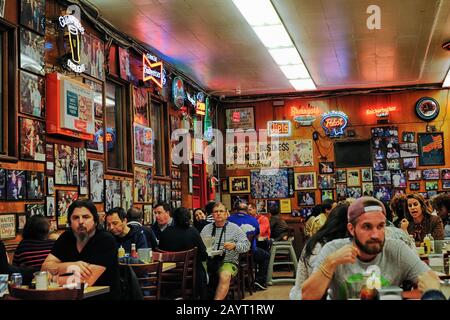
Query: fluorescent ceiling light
<point>447,80</point>
<point>286,56</point>
<point>297,71</point>
<point>258,12</point>
<point>303,84</point>
<point>273,36</point>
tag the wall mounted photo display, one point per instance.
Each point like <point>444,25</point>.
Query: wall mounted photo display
<point>143,192</point>
<point>378,143</point>
<point>261,206</point>
<point>341,191</point>
<point>35,185</point>
<point>424,194</point>
<point>326,194</point>
<point>240,118</point>
<point>408,150</point>
<point>96,181</point>
<point>397,192</point>
<point>97,88</point>
<point>393,164</point>
<point>2,8</point>
<point>367,189</point>
<point>127,194</point>
<point>379,165</point>
<point>285,206</point>
<point>408,136</point>
<point>431,194</point>
<point>21,219</point>
<point>143,145</point>
<point>148,214</point>
<point>124,64</point>
<point>2,184</point>
<point>50,206</point>
<point>64,199</point>
<point>431,149</point>
<point>430,174</point>
<point>326,181</point>
<point>382,177</point>
<point>236,199</point>
<point>382,193</point>
<point>326,167</point>
<point>445,184</point>
<point>341,175</point>
<point>156,187</point>
<point>392,153</point>
<point>431,185</point>
<point>273,206</point>
<point>33,209</point>
<point>7,226</point>
<point>50,185</point>
<point>97,144</point>
<point>398,179</point>
<point>16,185</point>
<point>269,183</point>
<point>305,180</point>
<point>306,198</point>
<point>224,185</point>
<point>32,94</point>
<point>240,184</point>
<point>414,175</point>
<point>32,51</point>
<point>415,186</point>
<point>354,192</point>
<point>445,174</point>
<point>49,159</point>
<point>83,166</point>
<point>112,194</point>
<point>379,154</point>
<point>32,139</point>
<point>96,57</point>
<point>366,174</point>
<point>353,178</point>
<point>32,15</point>
<point>140,103</point>
<point>66,165</point>
<point>409,163</point>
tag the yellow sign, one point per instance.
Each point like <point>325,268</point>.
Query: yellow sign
<point>285,206</point>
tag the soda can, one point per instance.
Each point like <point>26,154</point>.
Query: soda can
<point>16,280</point>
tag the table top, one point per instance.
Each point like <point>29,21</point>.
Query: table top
<point>93,291</point>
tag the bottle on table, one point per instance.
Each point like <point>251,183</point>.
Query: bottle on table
<point>427,244</point>
<point>121,252</point>
<point>431,243</point>
<point>133,253</point>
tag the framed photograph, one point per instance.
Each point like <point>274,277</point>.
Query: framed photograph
<point>97,58</point>
<point>66,165</point>
<point>50,159</point>
<point>306,198</point>
<point>353,178</point>
<point>354,192</point>
<point>240,184</point>
<point>431,149</point>
<point>127,194</point>
<point>382,177</point>
<point>15,185</point>
<point>21,219</point>
<point>430,174</point>
<point>392,153</point>
<point>97,88</point>
<point>326,194</point>
<point>64,199</point>
<point>143,186</point>
<point>379,154</point>
<point>97,144</point>
<point>431,185</point>
<point>96,183</point>
<point>409,163</point>
<point>305,180</point>
<point>2,184</point>
<point>378,142</point>
<point>140,103</point>
<point>32,15</point>
<point>35,185</point>
<point>285,206</point>
<point>32,139</point>
<point>366,174</point>
<point>396,192</point>
<point>33,209</point>
<point>424,194</point>
<point>304,212</point>
<point>32,94</point>
<point>83,161</point>
<point>445,184</point>
<point>431,194</point>
<point>341,175</point>
<point>235,199</point>
<point>32,52</point>
<point>240,118</point>
<point>224,185</point>
<point>112,197</point>
<point>7,226</point>
<point>409,150</point>
<point>148,214</point>
<point>408,136</point>
<point>326,181</point>
<point>261,206</point>
<point>124,63</point>
<point>367,189</point>
<point>2,8</point>
<point>273,206</point>
<point>398,179</point>
<point>414,175</point>
<point>50,185</point>
<point>393,164</point>
<point>50,206</point>
<point>143,145</point>
<point>341,191</point>
<point>326,167</point>
<point>383,193</point>
<point>280,180</point>
<point>415,186</point>
<point>379,165</point>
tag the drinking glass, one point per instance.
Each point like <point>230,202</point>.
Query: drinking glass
<point>353,288</point>
<point>3,284</point>
<point>53,278</point>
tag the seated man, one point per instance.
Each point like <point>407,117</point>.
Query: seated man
<point>90,254</point>
<point>134,218</point>
<point>279,229</point>
<point>342,259</point>
<point>163,218</point>
<point>230,238</point>
<point>116,223</point>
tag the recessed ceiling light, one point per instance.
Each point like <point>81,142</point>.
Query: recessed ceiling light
<point>303,84</point>
<point>296,71</point>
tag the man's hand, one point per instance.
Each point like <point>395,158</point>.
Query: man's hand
<point>346,254</point>
<point>404,225</point>
<point>428,281</point>
<point>84,268</point>
<point>229,246</point>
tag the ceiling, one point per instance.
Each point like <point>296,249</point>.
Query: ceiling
<point>211,42</point>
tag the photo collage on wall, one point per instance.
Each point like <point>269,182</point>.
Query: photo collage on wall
<point>176,188</point>
<point>97,144</point>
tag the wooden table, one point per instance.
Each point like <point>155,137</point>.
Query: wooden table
<point>168,266</point>
<point>93,291</point>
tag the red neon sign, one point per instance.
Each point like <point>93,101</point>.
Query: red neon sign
<point>381,110</point>
<point>304,111</point>
<point>152,71</point>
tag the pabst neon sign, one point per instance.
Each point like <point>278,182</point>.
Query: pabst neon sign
<point>72,22</point>
<point>334,123</point>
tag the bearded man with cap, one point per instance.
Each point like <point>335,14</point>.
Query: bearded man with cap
<point>342,260</point>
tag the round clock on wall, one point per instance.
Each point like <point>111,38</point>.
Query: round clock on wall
<point>427,109</point>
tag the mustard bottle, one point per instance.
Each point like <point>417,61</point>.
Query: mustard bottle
<point>121,252</point>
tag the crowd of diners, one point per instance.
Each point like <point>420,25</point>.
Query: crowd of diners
<point>343,239</point>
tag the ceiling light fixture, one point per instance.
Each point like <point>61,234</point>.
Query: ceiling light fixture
<point>263,18</point>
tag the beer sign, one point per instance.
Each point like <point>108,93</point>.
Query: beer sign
<point>334,123</point>
<point>279,128</point>
<point>75,30</point>
<point>153,70</point>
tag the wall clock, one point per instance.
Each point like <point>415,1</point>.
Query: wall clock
<point>427,108</point>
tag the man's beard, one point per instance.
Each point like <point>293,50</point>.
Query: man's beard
<point>371,246</point>
<point>82,235</point>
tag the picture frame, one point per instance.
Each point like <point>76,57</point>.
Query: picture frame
<point>409,150</point>
<point>16,182</point>
<point>97,88</point>
<point>50,207</point>
<point>367,189</point>
<point>273,206</point>
<point>398,178</point>
<point>66,165</point>
<point>97,144</point>
<point>32,140</point>
<point>140,106</point>
<point>382,193</point>
<point>124,63</point>
<point>285,206</point>
<point>305,180</point>
<point>354,192</point>
<point>32,94</point>
<point>35,185</point>
<point>143,192</point>
<point>32,51</point>
<point>326,181</point>
<point>127,194</point>
<point>96,181</point>
<point>112,194</point>
<point>261,206</point>
<point>393,164</point>
<point>408,136</point>
<point>33,209</point>
<point>445,173</point>
<point>148,214</point>
<point>50,186</point>
<point>280,180</point>
<point>2,184</point>
<point>341,191</point>
<point>379,165</point>
<point>431,194</point>
<point>241,198</point>
<point>326,194</point>
<point>143,145</point>
<point>382,178</point>
<point>326,167</point>
<point>240,118</point>
<point>341,176</point>
<point>7,226</point>
<point>414,175</point>
<point>49,159</point>
<point>353,178</point>
<point>21,219</point>
<point>366,175</point>
<point>409,163</point>
<point>306,198</point>
<point>32,15</point>
<point>445,184</point>
<point>83,168</point>
<point>2,8</point>
<point>240,184</point>
<point>414,186</point>
<point>96,56</point>
<point>431,149</point>
<point>430,174</point>
<point>224,185</point>
<point>64,199</point>
<point>431,185</point>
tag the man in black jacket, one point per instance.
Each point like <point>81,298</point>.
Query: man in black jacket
<point>134,218</point>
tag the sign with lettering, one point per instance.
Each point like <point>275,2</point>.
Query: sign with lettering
<point>153,71</point>
<point>7,226</point>
<point>279,128</point>
<point>75,30</point>
<point>431,149</point>
<point>200,106</point>
<point>304,116</point>
<point>240,118</point>
<point>334,123</point>
<point>381,111</point>
<point>178,92</point>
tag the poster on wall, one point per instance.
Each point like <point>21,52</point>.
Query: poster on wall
<point>83,171</point>
<point>92,55</point>
<point>97,143</point>
<point>66,165</point>
<point>2,184</point>
<point>274,183</point>
<point>127,194</point>
<point>96,180</point>
<point>15,185</point>
<point>32,94</point>
<point>97,89</point>
<point>240,118</point>
<point>285,206</point>
<point>35,185</point>
<point>112,190</point>
<point>7,226</point>
<point>32,135</point>
<point>143,185</point>
<point>64,199</point>
<point>143,145</point>
<point>32,52</point>
<point>50,159</point>
<point>431,149</point>
<point>124,63</point>
<point>140,103</point>
<point>32,14</point>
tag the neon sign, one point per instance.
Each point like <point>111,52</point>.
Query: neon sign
<point>178,92</point>
<point>279,128</point>
<point>72,21</point>
<point>153,71</point>
<point>381,111</point>
<point>200,106</point>
<point>334,123</point>
<point>304,116</point>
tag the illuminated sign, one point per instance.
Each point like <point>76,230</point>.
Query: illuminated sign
<point>191,99</point>
<point>304,116</point>
<point>152,71</point>
<point>200,106</point>
<point>381,111</point>
<point>178,92</point>
<point>334,123</point>
<point>72,21</point>
<point>279,128</point>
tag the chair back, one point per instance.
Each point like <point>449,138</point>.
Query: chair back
<point>149,277</point>
<point>20,293</point>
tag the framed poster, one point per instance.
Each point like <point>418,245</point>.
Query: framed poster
<point>97,58</point>
<point>35,185</point>
<point>431,149</point>
<point>271,184</point>
<point>50,206</point>
<point>97,143</point>
<point>306,198</point>
<point>353,178</point>
<point>326,194</point>
<point>326,181</point>
<point>21,219</point>
<point>124,63</point>
<point>366,174</point>
<point>82,156</point>
<point>415,186</point>
<point>236,199</point>
<point>430,174</point>
<point>32,94</point>
<point>285,206</point>
<point>50,185</point>
<point>305,180</point>
<point>341,175</point>
<point>127,194</point>
<point>66,165</point>
<point>7,226</point>
<point>112,194</point>
<point>64,199</point>
<point>32,52</point>
<point>226,200</point>
<point>96,184</point>
<point>240,184</point>
<point>49,159</point>
<point>367,189</point>
<point>33,209</point>
<point>32,139</point>
<point>140,103</point>
<point>2,184</point>
<point>224,185</point>
<point>143,185</point>
<point>97,89</point>
<point>409,163</point>
<point>143,145</point>
<point>273,206</point>
<point>261,206</point>
<point>15,185</point>
<point>32,15</point>
<point>326,167</point>
<point>240,118</point>
<point>148,214</point>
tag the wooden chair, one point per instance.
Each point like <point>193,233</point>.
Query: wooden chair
<point>247,270</point>
<point>20,293</point>
<point>149,277</point>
